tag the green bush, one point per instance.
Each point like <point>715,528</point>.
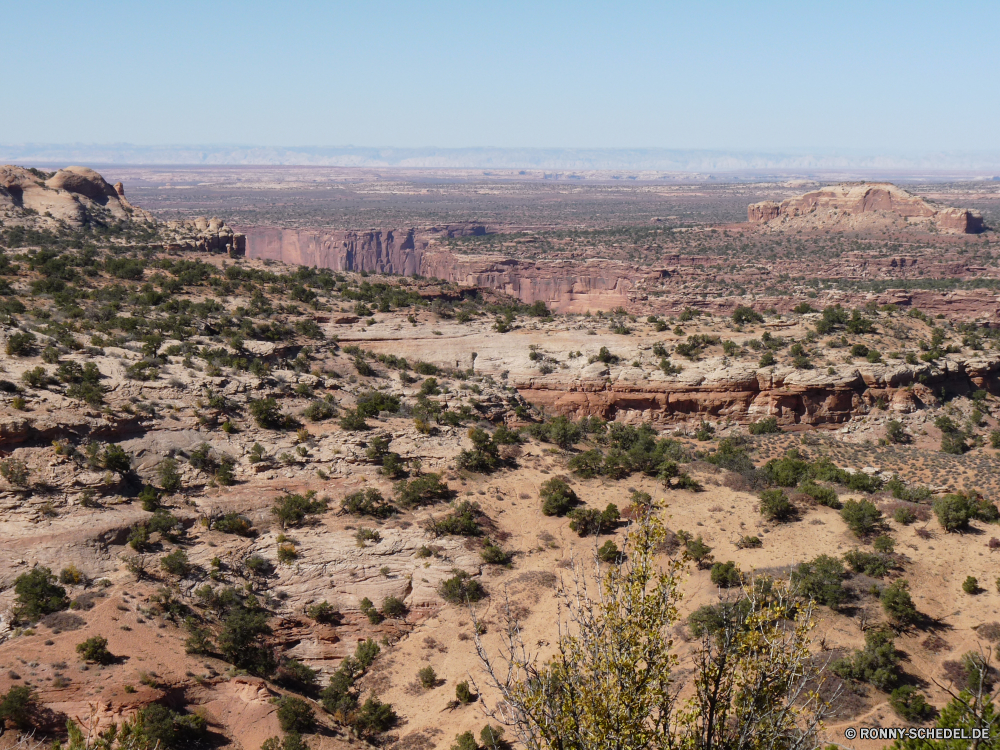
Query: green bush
<point>368,502</point>
<point>245,641</point>
<point>176,563</point>
<point>293,510</point>
<point>461,588</point>
<point>428,677</point>
<point>462,521</point>
<point>15,471</point>
<point>971,585</point>
<point>774,506</point>
<point>169,730</point>
<point>725,575</point>
<point>423,490</point>
<point>862,517</point>
<point>20,344</point>
<point>465,741</point>
<point>295,715</point>
<point>95,649</point>
<point>38,594</point>
<point>19,706</point>
<point>235,523</point>
<point>323,612</point>
<point>910,704</point>
<point>267,414</point>
<point>374,717</point>
<point>393,607</point>
<point>463,693</point>
<point>609,552</point>
<point>898,604</point>
<point>557,497</point>
<point>877,663</point>
<point>821,579</point>
<point>765,426</point>
<point>745,314</point>
<point>494,554</point>
<point>869,563</point>
<point>170,477</point>
<point>955,511</point>
<point>821,495</point>
<point>368,610</point>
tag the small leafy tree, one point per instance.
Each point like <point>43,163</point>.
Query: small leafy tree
<point>38,594</point>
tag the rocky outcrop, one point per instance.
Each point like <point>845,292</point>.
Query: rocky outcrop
<point>744,393</point>
<point>207,235</point>
<point>74,196</point>
<point>861,205</point>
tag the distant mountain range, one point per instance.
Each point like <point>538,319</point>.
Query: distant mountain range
<point>563,159</point>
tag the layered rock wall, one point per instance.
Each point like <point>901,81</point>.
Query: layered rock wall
<point>859,205</point>
<point>745,394</point>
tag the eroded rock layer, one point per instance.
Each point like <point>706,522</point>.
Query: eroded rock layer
<point>861,205</point>
<point>744,393</point>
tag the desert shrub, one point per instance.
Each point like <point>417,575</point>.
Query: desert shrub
<point>895,433</point>
<point>821,579</point>
<point>484,456</point>
<point>368,502</point>
<point>869,563</point>
<point>319,409</point>
<point>295,715</point>
<point>725,575</point>
<point>821,495</point>
<point>323,612</point>
<point>696,548</point>
<point>423,490</point>
<point>15,471</point>
<point>95,649</point>
<point>745,314</point>
<point>884,543</point>
<point>786,471</point>
<point>461,588</point>
<point>19,706</point>
<point>165,729</point>
<point>38,594</point>
<point>774,505</point>
<point>877,663</point>
<point>374,717</point>
<point>494,554</point>
<point>170,477</point>
<point>428,677</point>
<point>463,693</point>
<point>956,510</point>
<point>557,497</point>
<point>295,673</point>
<point>393,607</point>
<point>293,510</point>
<point>586,521</point>
<point>465,741</point>
<point>898,604</point>
<point>71,576</point>
<point>910,704</point>
<point>244,641</point>
<point>234,523</point>
<point>749,542</point>
<point>176,563</point>
<point>765,426</point>
<point>368,610</point>
<point>462,521</point>
<point>903,515</point>
<point>608,552</point>
<point>267,414</point>
<point>20,344</point>
<point>862,517</point>
<point>559,431</point>
<point>971,585</point>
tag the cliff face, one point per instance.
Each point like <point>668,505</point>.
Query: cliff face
<point>569,286</point>
<point>864,205</point>
<point>744,393</point>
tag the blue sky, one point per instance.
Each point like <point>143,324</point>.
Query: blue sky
<point>874,76</point>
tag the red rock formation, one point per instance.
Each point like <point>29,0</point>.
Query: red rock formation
<point>854,205</point>
<point>744,394</point>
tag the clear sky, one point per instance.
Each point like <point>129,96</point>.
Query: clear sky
<point>891,76</point>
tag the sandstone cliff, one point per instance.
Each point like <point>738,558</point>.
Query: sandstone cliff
<point>745,393</point>
<point>74,196</point>
<point>861,205</point>
<point>77,197</point>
